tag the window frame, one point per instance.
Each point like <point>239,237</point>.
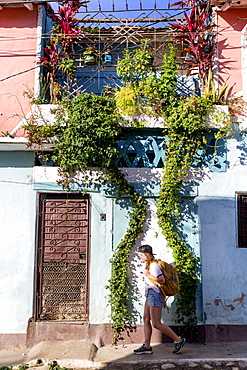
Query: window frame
<point>241,224</point>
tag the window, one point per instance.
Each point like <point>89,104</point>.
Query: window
<point>242,219</point>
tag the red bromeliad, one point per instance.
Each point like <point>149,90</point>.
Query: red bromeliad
<point>196,33</point>
<point>66,24</point>
<point>52,60</point>
<point>58,52</point>
<point>188,3</point>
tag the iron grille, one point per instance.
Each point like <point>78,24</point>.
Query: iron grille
<point>63,292</point>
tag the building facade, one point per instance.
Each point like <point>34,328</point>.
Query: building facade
<point>56,245</point>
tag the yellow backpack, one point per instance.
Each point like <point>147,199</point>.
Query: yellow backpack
<point>171,286</point>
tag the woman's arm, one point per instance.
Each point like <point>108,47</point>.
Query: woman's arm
<point>160,279</point>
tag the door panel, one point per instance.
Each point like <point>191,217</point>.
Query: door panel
<point>62,288</point>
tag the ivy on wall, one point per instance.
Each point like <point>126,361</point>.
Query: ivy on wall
<point>84,137</point>
<point>185,130</point>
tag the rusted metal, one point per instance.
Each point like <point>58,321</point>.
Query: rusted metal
<point>63,288</point>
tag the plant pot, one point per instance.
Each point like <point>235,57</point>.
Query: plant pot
<point>217,117</point>
<point>150,120</point>
<point>150,61</point>
<point>107,58</point>
<point>42,113</point>
<point>90,59</point>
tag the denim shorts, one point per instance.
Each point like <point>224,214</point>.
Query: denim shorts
<point>153,298</point>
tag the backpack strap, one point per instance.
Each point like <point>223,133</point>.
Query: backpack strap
<point>162,291</point>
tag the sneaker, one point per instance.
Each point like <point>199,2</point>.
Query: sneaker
<point>143,350</point>
<point>178,345</point>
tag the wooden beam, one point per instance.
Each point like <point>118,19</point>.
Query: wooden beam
<point>29,6</point>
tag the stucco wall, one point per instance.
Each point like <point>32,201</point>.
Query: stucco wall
<point>224,265</point>
<point>17,226</point>
<point>231,25</point>
<point>105,236</point>
<point>212,212</point>
<point>19,45</point>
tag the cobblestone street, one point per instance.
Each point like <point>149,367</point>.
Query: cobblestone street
<point>237,365</point>
<point>84,355</point>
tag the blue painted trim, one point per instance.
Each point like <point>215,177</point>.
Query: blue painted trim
<point>146,148</point>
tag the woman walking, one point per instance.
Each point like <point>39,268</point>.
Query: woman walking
<point>154,303</point>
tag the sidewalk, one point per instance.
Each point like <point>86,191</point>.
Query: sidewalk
<point>85,355</point>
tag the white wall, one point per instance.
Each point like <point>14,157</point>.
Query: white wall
<point>224,265</point>
<point>17,226</point>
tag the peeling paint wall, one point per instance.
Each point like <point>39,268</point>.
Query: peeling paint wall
<point>224,265</point>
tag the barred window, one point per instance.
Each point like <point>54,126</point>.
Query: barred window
<point>242,219</point>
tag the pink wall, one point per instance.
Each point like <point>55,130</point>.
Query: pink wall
<point>18,43</point>
<point>230,28</point>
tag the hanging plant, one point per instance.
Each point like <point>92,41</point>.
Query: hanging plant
<point>91,55</point>
<point>107,57</point>
<point>89,140</point>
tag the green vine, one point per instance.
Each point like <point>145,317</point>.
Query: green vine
<point>84,137</point>
<point>185,131</point>
<point>185,128</point>
<point>119,286</point>
<point>89,141</point>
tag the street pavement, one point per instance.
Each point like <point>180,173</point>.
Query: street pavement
<point>83,354</point>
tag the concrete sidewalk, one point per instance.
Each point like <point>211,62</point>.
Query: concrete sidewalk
<point>84,355</point>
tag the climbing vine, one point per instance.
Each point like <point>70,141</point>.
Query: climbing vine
<point>120,292</point>
<point>84,137</point>
<point>185,130</point>
<point>89,141</point>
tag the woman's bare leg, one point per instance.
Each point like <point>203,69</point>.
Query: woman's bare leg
<point>147,325</point>
<point>155,314</point>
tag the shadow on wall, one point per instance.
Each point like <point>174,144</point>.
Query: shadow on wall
<point>224,264</point>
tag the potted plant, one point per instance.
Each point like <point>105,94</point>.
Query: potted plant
<point>107,57</point>
<point>58,54</point>
<point>90,55</point>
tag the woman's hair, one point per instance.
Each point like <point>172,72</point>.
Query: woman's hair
<point>150,258</point>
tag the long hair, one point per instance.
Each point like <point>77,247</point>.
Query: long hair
<point>150,258</point>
